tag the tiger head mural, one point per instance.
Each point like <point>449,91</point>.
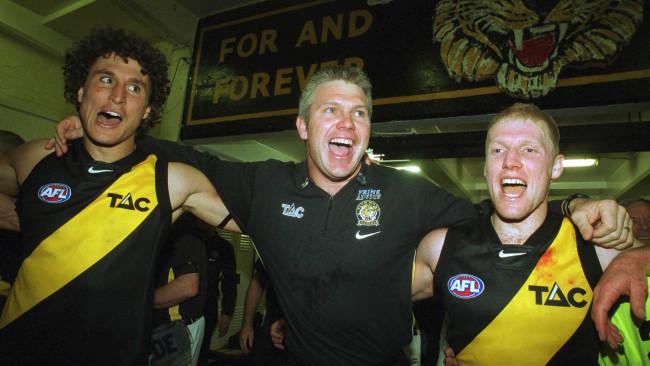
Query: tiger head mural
<point>525,44</point>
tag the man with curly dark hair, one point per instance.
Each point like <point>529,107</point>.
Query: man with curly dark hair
<point>93,221</point>
<point>106,41</point>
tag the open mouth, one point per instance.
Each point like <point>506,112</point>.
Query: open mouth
<point>531,49</point>
<point>340,146</point>
<point>513,187</point>
<point>109,118</point>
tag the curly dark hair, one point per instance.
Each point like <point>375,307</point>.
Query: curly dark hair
<point>102,42</point>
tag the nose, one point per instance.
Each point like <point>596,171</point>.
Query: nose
<point>511,159</point>
<point>345,121</point>
<point>118,94</point>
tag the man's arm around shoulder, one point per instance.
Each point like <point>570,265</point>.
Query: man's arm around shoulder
<point>190,191</point>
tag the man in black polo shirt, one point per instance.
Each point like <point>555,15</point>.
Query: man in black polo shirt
<point>336,235</point>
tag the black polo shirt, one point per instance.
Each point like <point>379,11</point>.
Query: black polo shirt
<point>342,265</point>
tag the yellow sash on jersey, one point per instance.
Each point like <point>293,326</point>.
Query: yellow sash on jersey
<point>526,333</point>
<point>82,241</point>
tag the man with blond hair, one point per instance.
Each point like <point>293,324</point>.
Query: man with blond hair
<point>521,268</point>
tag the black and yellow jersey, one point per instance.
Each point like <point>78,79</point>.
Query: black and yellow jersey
<point>519,304</point>
<point>91,234</point>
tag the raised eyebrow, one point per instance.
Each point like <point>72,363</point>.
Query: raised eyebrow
<point>531,143</point>
<point>102,72</point>
<point>329,103</point>
<point>138,81</point>
<point>132,80</point>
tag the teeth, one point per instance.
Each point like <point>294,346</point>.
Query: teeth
<point>111,115</point>
<point>341,141</point>
<point>513,181</point>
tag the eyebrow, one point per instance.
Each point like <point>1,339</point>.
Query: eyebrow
<point>357,106</point>
<point>136,80</point>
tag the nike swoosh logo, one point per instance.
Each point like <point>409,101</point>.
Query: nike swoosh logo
<point>360,236</point>
<point>506,255</point>
<point>92,170</point>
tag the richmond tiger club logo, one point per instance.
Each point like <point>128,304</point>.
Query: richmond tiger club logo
<point>54,193</point>
<point>368,213</point>
<point>465,286</point>
<point>525,45</point>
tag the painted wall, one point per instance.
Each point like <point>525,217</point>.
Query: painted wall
<point>178,59</point>
<point>31,90</point>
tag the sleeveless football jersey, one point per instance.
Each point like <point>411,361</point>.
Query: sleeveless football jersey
<point>519,304</point>
<point>91,234</point>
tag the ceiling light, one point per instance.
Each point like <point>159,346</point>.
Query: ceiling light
<point>409,168</point>
<point>579,163</point>
<point>373,156</point>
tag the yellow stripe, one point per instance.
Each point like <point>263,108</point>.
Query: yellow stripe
<point>81,242</point>
<point>174,311</point>
<point>528,334</point>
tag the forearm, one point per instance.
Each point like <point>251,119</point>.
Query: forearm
<point>253,298</point>
<point>603,222</point>
<point>182,288</point>
<point>641,256</point>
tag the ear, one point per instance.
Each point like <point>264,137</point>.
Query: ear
<point>558,167</point>
<point>146,113</point>
<point>80,94</point>
<point>301,126</point>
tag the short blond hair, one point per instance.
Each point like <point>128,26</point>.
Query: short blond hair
<point>349,74</point>
<point>529,111</point>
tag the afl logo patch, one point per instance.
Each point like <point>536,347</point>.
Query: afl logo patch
<point>465,286</point>
<point>54,193</point>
